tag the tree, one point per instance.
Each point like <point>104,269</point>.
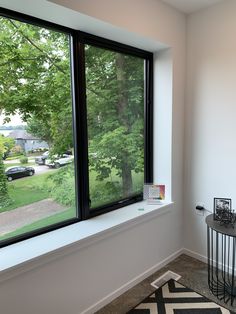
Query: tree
<point>5,144</point>
<point>115,91</point>
<point>8,143</point>
<point>35,82</point>
<point>40,128</point>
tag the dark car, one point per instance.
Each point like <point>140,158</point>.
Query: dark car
<point>18,172</point>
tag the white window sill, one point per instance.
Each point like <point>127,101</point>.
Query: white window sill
<point>51,245</point>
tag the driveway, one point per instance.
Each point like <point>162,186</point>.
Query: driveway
<point>42,169</point>
<point>25,215</point>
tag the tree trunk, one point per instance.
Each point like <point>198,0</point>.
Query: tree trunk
<point>127,182</point>
<point>122,103</point>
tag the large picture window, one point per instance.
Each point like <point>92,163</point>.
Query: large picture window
<point>75,126</point>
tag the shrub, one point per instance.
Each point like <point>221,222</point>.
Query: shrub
<point>105,192</point>
<point>24,160</point>
<point>62,188</point>
<point>16,150</point>
<point>4,196</point>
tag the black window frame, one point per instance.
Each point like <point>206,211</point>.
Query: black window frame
<point>78,84</point>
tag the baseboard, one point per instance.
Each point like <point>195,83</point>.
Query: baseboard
<point>110,297</point>
<point>200,257</point>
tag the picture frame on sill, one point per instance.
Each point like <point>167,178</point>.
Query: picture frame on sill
<point>221,205</point>
<point>154,193</point>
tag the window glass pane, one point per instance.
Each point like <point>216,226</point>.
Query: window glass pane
<point>115,105</point>
<point>36,133</point>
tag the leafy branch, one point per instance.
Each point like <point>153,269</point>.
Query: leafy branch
<point>37,47</point>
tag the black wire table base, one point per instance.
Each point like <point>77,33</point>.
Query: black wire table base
<point>221,250</point>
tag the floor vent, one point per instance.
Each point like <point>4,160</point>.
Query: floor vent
<point>160,281</point>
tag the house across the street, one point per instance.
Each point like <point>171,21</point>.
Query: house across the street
<point>27,141</point>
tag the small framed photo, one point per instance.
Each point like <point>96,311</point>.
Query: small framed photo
<point>154,193</point>
<point>221,205</point>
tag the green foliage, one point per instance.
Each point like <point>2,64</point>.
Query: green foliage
<point>35,80</point>
<point>62,188</point>
<point>39,128</point>
<point>26,191</point>
<point>5,145</point>
<point>14,157</point>
<point>105,192</point>
<point>115,91</point>
<point>4,196</point>
<point>24,160</point>
<point>16,151</point>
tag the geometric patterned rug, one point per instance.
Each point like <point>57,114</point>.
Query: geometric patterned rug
<point>174,298</point>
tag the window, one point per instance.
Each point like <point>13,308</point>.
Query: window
<point>37,182</point>
<point>115,115</point>
<point>75,126</point>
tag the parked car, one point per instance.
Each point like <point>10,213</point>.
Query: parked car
<point>57,162</point>
<point>18,172</point>
<point>41,160</point>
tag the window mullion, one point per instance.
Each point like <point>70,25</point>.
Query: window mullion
<point>148,120</point>
<point>82,132</point>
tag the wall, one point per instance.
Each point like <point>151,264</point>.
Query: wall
<point>79,279</point>
<point>151,18</point>
<point>210,116</point>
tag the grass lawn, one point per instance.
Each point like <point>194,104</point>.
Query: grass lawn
<point>99,194</point>
<point>29,164</point>
<point>66,215</point>
<point>28,155</point>
<point>27,190</point>
<point>14,157</point>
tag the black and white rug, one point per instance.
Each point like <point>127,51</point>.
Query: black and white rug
<point>174,298</point>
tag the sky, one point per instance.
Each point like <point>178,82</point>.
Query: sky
<point>15,120</point>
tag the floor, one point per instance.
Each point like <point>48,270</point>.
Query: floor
<point>194,275</point>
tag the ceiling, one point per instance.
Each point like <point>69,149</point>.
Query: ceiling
<point>190,6</point>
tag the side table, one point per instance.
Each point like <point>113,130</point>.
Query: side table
<point>221,250</point>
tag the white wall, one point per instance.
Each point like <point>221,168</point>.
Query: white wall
<point>151,18</point>
<point>73,283</point>
<point>210,115</point>
<point>163,95</point>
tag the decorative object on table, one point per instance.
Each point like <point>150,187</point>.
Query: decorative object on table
<point>154,193</point>
<point>223,212</point>
<point>221,204</point>
<point>173,297</point>
<point>227,218</point>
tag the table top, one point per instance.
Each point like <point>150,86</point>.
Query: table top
<point>224,229</point>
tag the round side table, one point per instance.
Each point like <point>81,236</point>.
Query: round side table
<point>221,253</point>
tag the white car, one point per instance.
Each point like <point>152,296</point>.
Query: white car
<point>57,162</point>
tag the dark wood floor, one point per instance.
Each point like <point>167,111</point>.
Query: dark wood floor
<point>193,275</point>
